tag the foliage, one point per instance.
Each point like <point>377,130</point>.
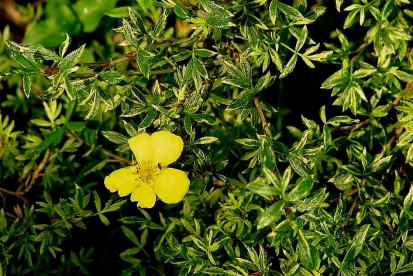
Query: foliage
<point>331,198</point>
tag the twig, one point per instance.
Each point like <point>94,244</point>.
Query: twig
<point>365,122</point>
<point>4,206</point>
<point>19,236</point>
<point>4,200</point>
<point>102,65</point>
<point>37,171</point>
<point>359,50</point>
<point>15,194</point>
<point>396,135</point>
<point>11,215</point>
<point>264,122</point>
<point>106,152</point>
<point>352,192</point>
<point>353,207</point>
<point>353,127</point>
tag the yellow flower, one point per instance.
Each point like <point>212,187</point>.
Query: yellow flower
<point>151,177</point>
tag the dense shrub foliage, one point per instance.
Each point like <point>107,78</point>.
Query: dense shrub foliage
<point>329,196</point>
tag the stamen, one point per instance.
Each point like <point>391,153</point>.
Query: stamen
<point>147,170</point>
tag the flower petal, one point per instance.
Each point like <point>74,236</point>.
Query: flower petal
<point>171,185</point>
<point>123,180</point>
<point>141,147</point>
<point>166,147</point>
<point>145,195</point>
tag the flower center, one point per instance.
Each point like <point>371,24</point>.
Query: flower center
<point>147,170</point>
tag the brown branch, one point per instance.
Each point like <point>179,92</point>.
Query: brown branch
<point>365,122</point>
<point>4,200</point>
<point>15,194</point>
<point>359,50</point>
<point>106,152</point>
<point>4,206</point>
<point>19,236</point>
<point>350,212</point>
<point>353,127</point>
<point>352,192</point>
<point>37,171</point>
<point>264,122</point>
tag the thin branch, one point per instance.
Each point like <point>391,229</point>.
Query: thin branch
<point>365,122</point>
<point>106,152</point>
<point>19,236</point>
<point>15,194</point>
<point>37,171</point>
<point>352,192</point>
<point>353,207</point>
<point>356,126</point>
<point>4,200</point>
<point>359,50</point>
<point>264,122</point>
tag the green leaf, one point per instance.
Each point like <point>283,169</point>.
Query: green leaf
<point>381,164</point>
<point>350,19</point>
<point>64,46</point>
<point>188,124</point>
<point>279,148</point>
<point>407,202</point>
<point>289,11</point>
<point>204,118</point>
<point>405,138</point>
<point>248,142</point>
<point>160,25</point>
<point>298,165</point>
<point>307,253</point>
<point>115,137</point>
<point>147,121</point>
<point>273,11</point>
<point>302,189</point>
<point>79,196</point>
<point>302,37</point>
<point>71,60</point>
<point>335,80</point>
<point>199,68</point>
<point>143,63</point>
<point>115,206</point>
<point>263,189</point>
<point>27,85</point>
<point>271,215</point>
<point>180,12</point>
<point>137,20</point>
<point>362,73</point>
<point>323,114</point>
<point>409,157</point>
<point>218,16</point>
<point>104,219</point>
<point>241,100</point>
<point>54,138</point>
<point>118,12</point>
<point>336,121</point>
<point>266,154</point>
<point>289,67</point>
<point>269,174</point>
<point>380,111</point>
<point>357,244</point>
<point>206,140</point>
<point>327,136</point>
<point>98,204</point>
<point>406,77</point>
<point>310,203</point>
<point>204,53</point>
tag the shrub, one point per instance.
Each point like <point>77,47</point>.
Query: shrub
<point>267,195</point>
